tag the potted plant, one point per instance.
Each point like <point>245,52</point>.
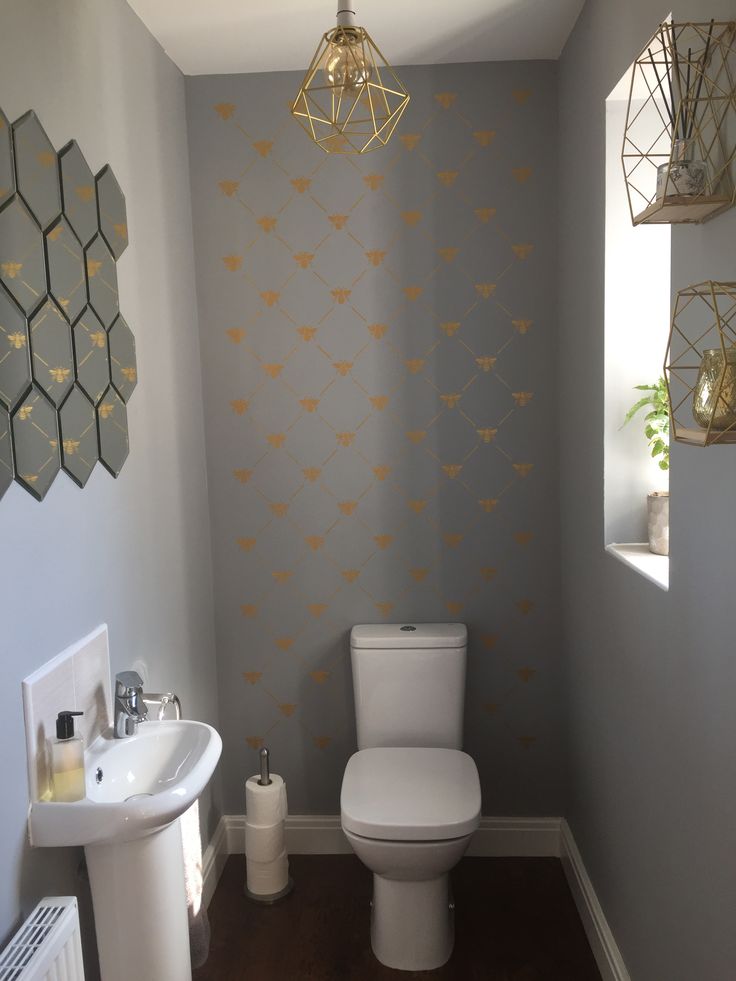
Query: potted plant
<point>657,432</point>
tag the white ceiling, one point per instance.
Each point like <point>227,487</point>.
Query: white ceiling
<point>225,36</point>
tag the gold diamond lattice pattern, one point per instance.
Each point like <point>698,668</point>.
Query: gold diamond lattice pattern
<point>351,99</point>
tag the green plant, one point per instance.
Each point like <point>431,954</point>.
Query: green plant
<point>657,420</point>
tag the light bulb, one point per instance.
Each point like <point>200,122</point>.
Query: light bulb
<point>345,66</point>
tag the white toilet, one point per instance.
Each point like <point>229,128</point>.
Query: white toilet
<point>410,798</point>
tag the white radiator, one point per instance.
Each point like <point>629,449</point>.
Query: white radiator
<point>48,946</point>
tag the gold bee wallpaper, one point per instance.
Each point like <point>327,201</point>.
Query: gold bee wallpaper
<point>378,350</point>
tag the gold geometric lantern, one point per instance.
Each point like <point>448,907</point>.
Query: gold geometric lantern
<point>679,150</point>
<point>700,366</point>
<point>351,98</point>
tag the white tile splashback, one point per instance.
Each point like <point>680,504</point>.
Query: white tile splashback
<point>78,679</point>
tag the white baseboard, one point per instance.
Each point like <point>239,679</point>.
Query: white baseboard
<point>605,949</point>
<point>495,838</point>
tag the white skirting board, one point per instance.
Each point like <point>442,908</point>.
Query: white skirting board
<point>496,838</point>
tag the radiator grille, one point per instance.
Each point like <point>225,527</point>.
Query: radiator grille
<point>47,946</point>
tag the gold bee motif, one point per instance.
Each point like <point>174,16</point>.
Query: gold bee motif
<point>276,440</point>
<point>306,333</point>
<point>252,677</point>
<point>379,402</point>
<point>521,95</point>
<point>523,469</point>
<point>416,436</point>
<point>373,181</point>
<point>228,187</point>
<point>301,184</point>
<point>489,641</point>
<point>410,140</point>
<point>129,374</point>
<point>453,539</point>
<point>345,439</point>
<point>378,330</point>
<point>59,375</point>
<point>317,609</point>
<point>46,158</point>
<point>484,137</point>
<point>488,504</point>
<point>350,575</point>
<point>522,325</point>
<point>522,174</point>
<point>239,406</point>
<point>309,405</point>
<point>446,99</point>
<point>93,267</point>
<point>524,606</point>
<point>320,677</point>
<point>523,537</point>
<point>270,297</point>
<point>381,472</point>
<point>450,328</point>
<point>451,400</point>
<point>522,398</point>
<point>347,507</point>
<point>447,177</point>
<point>282,576</point>
<point>338,221</point>
<point>417,506</point>
<point>279,508</point>
<point>236,334</point>
<point>267,223</point>
<point>24,412</point>
<point>522,251</point>
<point>85,193</point>
<point>412,292</point>
<point>415,365</point>
<point>384,609</point>
<point>273,370</point>
<point>411,218</point>
<point>342,367</point>
<point>255,742</point>
<point>70,446</point>
<point>284,643</point>
<point>11,269</point>
<point>263,147</point>
<point>485,363</point>
<point>375,257</point>
<point>98,338</point>
<point>224,109</point>
<point>448,254</point>
<point>55,233</point>
<point>304,259</point>
<point>418,575</point>
<point>454,607</point>
<point>315,542</point>
<point>311,473</point>
<point>485,214</point>
<point>383,541</point>
<point>17,341</point>
<point>340,295</point>
<point>247,544</point>
<point>485,289</point>
<point>249,610</point>
<point>287,709</point>
<point>322,742</point>
<point>487,435</point>
<point>452,470</point>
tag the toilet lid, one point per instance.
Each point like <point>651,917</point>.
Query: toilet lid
<point>410,794</point>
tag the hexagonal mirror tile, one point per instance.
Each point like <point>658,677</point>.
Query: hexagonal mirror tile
<point>91,355</point>
<point>22,260</point>
<point>36,440</point>
<point>65,261</point>
<point>6,452</point>
<point>113,216</point>
<point>78,429</point>
<point>112,423</point>
<point>36,169</point>
<point>78,192</point>
<point>52,358</point>
<point>102,281</point>
<point>15,359</point>
<point>7,178</point>
<point>122,359</point>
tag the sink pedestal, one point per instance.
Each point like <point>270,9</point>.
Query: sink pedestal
<point>140,907</point>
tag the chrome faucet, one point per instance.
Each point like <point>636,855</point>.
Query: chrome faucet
<point>130,709</point>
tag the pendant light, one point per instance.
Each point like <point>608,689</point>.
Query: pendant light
<point>351,98</point>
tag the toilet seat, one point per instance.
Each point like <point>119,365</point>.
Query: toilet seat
<point>410,794</point>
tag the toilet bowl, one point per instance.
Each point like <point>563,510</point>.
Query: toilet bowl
<point>409,815</point>
<point>410,798</point>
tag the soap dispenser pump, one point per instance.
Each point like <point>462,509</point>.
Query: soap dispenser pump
<point>67,760</point>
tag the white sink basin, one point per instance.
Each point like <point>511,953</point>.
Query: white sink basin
<point>148,781</point>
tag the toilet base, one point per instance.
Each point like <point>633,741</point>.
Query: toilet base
<point>412,923</point>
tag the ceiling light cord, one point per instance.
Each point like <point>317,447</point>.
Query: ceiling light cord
<point>345,15</point>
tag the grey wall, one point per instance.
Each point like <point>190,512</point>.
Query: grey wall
<point>135,552</point>
<point>300,503</point>
<point>650,675</point>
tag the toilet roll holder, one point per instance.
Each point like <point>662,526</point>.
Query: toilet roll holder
<point>265,781</point>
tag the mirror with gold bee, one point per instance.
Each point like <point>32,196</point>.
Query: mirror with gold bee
<point>67,356</point>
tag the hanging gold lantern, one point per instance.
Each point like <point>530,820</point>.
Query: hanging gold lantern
<point>351,98</point>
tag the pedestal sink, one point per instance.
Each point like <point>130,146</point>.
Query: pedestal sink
<point>137,788</point>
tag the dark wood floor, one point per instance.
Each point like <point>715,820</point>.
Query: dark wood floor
<point>515,921</point>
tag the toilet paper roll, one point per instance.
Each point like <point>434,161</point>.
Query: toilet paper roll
<point>265,806</point>
<point>268,878</point>
<point>264,843</point>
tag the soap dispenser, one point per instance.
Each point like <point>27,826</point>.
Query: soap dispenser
<point>67,760</point>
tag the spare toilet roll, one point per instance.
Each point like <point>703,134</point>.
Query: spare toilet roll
<point>267,864</point>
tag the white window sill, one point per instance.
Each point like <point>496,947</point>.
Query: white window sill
<point>655,568</point>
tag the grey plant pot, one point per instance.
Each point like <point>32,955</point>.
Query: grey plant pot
<point>658,522</point>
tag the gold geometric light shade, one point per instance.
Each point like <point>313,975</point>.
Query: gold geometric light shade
<point>351,99</point>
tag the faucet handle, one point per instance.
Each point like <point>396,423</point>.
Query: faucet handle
<point>128,683</point>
